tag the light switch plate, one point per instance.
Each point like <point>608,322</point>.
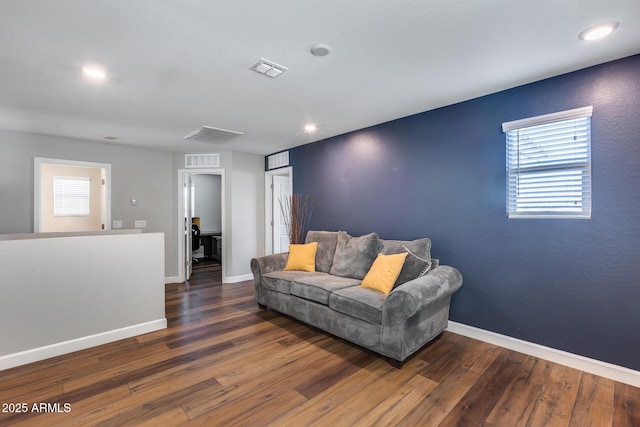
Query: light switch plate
<point>140,223</point>
<point>116,224</point>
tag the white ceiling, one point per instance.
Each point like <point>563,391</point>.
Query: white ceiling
<point>176,65</point>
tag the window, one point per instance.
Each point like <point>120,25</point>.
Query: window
<point>71,196</point>
<point>549,165</point>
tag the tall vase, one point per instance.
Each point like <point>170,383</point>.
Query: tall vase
<point>297,212</point>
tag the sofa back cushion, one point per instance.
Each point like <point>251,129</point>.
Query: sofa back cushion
<point>354,255</point>
<point>418,261</point>
<point>327,241</point>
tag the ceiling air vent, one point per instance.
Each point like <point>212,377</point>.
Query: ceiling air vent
<point>213,135</point>
<point>268,68</point>
<point>201,160</point>
<point>278,160</point>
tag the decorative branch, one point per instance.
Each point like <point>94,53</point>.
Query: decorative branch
<point>297,212</point>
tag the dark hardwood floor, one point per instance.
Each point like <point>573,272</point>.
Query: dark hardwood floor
<point>222,361</point>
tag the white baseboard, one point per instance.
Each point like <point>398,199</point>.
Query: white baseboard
<point>236,279</point>
<point>593,366</point>
<point>36,354</point>
<point>226,279</point>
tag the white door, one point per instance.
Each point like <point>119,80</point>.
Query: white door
<point>188,259</point>
<point>281,192</point>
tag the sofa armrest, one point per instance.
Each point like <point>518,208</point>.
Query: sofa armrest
<point>267,264</point>
<point>407,299</point>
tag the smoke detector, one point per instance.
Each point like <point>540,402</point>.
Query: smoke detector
<point>213,135</point>
<point>320,50</point>
<point>268,68</point>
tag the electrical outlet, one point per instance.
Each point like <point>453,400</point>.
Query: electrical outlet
<point>117,224</point>
<point>140,223</point>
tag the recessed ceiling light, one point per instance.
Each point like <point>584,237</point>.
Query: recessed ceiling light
<point>310,128</point>
<point>93,72</point>
<point>598,31</point>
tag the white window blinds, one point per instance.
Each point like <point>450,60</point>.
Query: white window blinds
<point>71,196</point>
<point>549,165</point>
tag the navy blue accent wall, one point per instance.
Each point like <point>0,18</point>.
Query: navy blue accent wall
<point>573,285</point>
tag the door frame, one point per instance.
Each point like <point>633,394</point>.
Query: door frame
<point>187,195</point>
<point>180,228</point>
<point>268,204</point>
<point>106,196</point>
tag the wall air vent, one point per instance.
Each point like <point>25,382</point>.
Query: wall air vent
<point>278,160</point>
<point>201,160</point>
<point>213,135</point>
<point>268,68</point>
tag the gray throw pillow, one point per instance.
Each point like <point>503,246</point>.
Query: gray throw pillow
<point>412,268</point>
<point>420,247</point>
<point>354,255</point>
<point>418,261</point>
<point>327,241</point>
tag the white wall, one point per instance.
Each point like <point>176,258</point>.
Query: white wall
<point>247,213</point>
<point>208,202</point>
<point>82,291</point>
<point>243,233</point>
<point>151,177</point>
<point>48,221</point>
<point>145,174</point>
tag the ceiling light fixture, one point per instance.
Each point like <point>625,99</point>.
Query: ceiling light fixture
<point>320,50</point>
<point>599,31</point>
<point>268,68</point>
<point>94,73</point>
<point>310,128</point>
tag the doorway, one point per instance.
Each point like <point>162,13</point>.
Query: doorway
<point>278,186</point>
<point>71,195</point>
<point>187,191</point>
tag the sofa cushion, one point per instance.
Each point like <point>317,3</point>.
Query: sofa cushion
<point>302,257</point>
<point>418,261</point>
<point>384,272</point>
<point>354,255</point>
<point>327,241</point>
<point>358,302</point>
<point>280,280</point>
<point>319,288</point>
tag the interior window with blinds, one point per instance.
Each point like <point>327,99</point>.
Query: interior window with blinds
<point>549,165</point>
<point>71,196</point>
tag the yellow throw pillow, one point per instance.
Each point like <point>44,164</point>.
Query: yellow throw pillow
<point>302,257</point>
<point>384,272</point>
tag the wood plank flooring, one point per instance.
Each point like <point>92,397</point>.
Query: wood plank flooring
<point>224,362</point>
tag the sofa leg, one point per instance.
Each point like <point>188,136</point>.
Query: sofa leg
<point>395,363</point>
<point>262,306</point>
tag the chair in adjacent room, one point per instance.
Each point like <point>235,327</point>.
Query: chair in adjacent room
<point>195,239</point>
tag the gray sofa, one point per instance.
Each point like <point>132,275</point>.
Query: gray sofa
<point>331,298</point>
